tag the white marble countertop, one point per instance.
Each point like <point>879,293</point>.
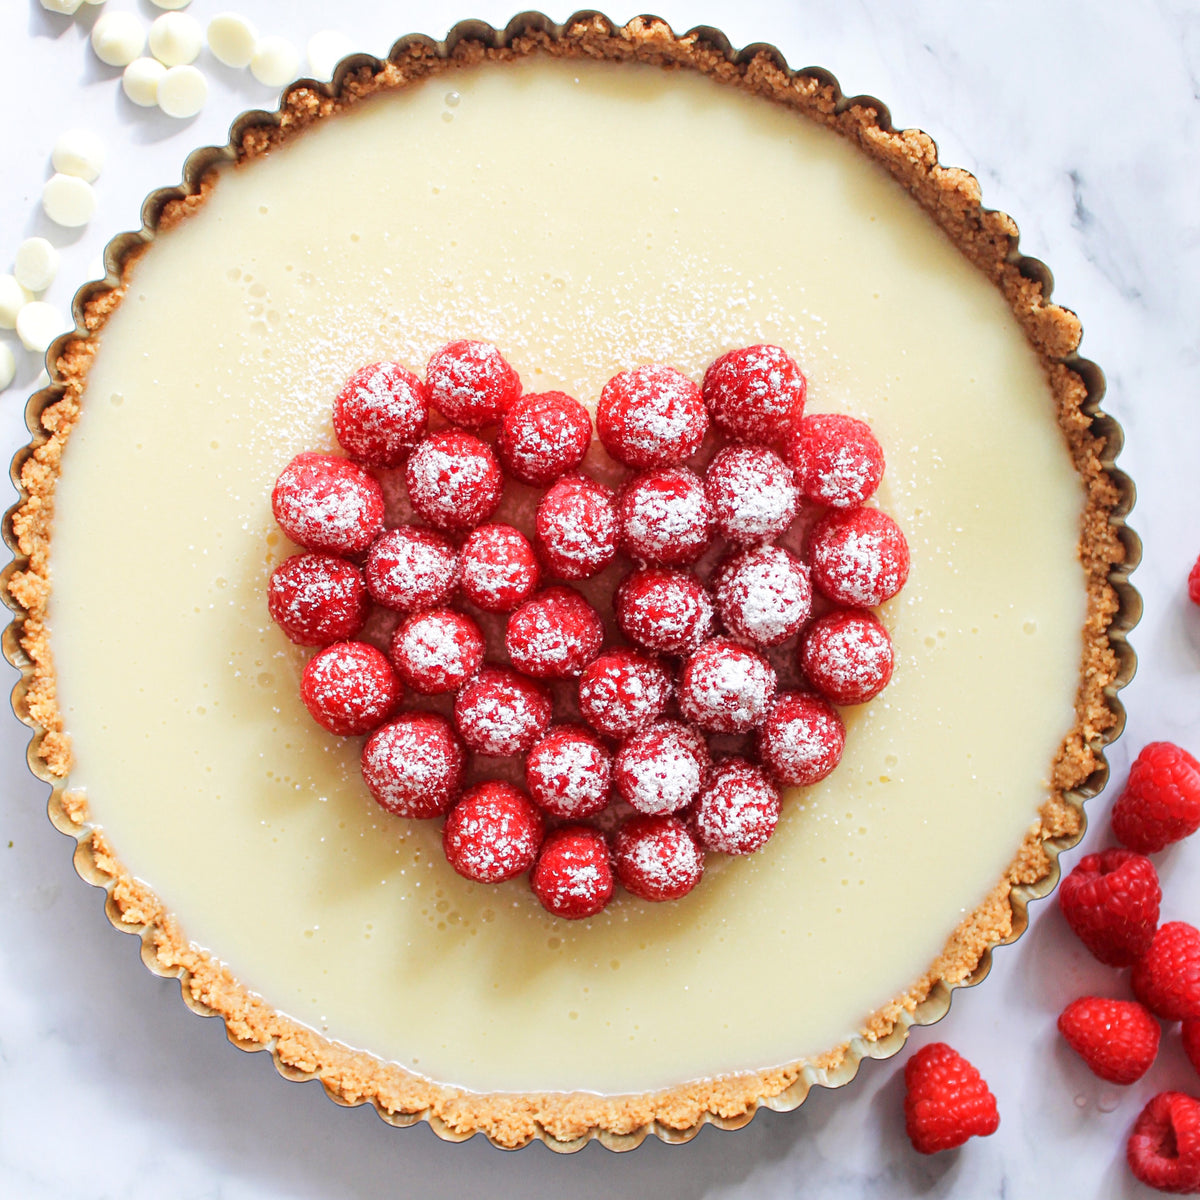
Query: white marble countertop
<point>1080,119</point>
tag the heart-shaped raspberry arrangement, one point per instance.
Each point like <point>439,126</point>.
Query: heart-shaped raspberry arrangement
<point>733,551</point>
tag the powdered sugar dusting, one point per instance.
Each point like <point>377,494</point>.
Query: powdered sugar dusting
<point>662,769</point>
<point>657,858</point>
<point>765,596</point>
<point>738,811</point>
<point>498,712</point>
<point>454,481</point>
<point>569,773</point>
<point>726,687</point>
<point>802,739</point>
<point>752,492</point>
<point>652,416</point>
<point>860,557</point>
<point>414,766</point>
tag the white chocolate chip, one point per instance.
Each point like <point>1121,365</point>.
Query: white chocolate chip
<point>118,38</point>
<point>35,264</point>
<point>182,92</point>
<point>13,298</point>
<point>325,50</point>
<point>176,39</point>
<point>275,62</point>
<point>171,3</point>
<point>38,324</point>
<point>8,365</point>
<point>232,39</point>
<point>94,3</point>
<point>141,79</point>
<point>65,7</point>
<point>79,152</point>
<point>68,200</point>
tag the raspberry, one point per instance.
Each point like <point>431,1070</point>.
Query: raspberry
<point>554,635</point>
<point>1118,1039</point>
<point>380,414</point>
<point>414,765</point>
<point>437,651</point>
<point>1166,979</point>
<point>1164,1148</point>
<point>656,858</point>
<point>454,481</point>
<point>498,712</point>
<point>738,811</point>
<point>317,599</point>
<point>1190,1031</point>
<point>664,517</point>
<point>470,384</point>
<point>725,687</point>
<point>576,528</point>
<point>1161,800</point>
<point>764,595</point>
<point>801,738</point>
<point>410,568</point>
<point>1193,585</point>
<point>573,875</point>
<point>652,416</point>
<point>859,557</point>
<point>328,504</point>
<point>752,493</point>
<point>350,688</point>
<point>837,460</point>
<point>946,1101</point>
<point>622,691</point>
<point>662,769</point>
<point>666,611</point>
<point>499,568</point>
<point>569,773</point>
<point>847,656</point>
<point>493,833</point>
<point>753,392</point>
<point>1111,901</point>
<point>544,435</point>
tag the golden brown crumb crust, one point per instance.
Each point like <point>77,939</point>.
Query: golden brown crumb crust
<point>988,239</point>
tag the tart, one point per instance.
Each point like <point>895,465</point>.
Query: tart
<point>556,191</point>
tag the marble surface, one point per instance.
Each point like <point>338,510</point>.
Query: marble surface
<point>1080,119</point>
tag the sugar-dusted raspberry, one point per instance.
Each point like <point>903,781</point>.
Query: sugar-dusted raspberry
<point>576,528</point>
<point>652,416</point>
<point>1118,1039</point>
<point>471,384</point>
<point>328,504</point>
<point>410,568</point>
<point>847,656</point>
<point>738,810</point>
<point>499,568</point>
<point>662,768</point>
<point>656,858</point>
<point>623,691</point>
<point>454,481</point>
<point>946,1100</point>
<point>1163,1150</point>
<point>752,392</point>
<point>764,595</point>
<point>752,493</point>
<point>859,557</point>
<point>573,875</point>
<point>317,599</point>
<point>414,765</point>
<point>1193,584</point>
<point>499,712</point>
<point>437,650</point>
<point>1111,902</point>
<point>544,435</point>
<point>350,688</point>
<point>554,634</point>
<point>493,833</point>
<point>837,460</point>
<point>801,739</point>
<point>665,517</point>
<point>666,611</point>
<point>1161,800</point>
<point>1166,979</point>
<point>726,687</point>
<point>380,414</point>
<point>569,773</point>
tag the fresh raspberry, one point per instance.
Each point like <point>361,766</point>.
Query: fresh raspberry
<point>414,765</point>
<point>1118,1039</point>
<point>573,875</point>
<point>350,688</point>
<point>656,858</point>
<point>544,435</point>
<point>471,384</point>
<point>666,611</point>
<point>946,1100</point>
<point>764,595</point>
<point>328,504</point>
<point>664,517</point>
<point>317,599</point>
<point>847,656</point>
<point>752,493</point>
<point>1164,1148</point>
<point>725,687</point>
<point>1193,587</point>
<point>837,460</point>
<point>752,393</point>
<point>1111,901</point>
<point>454,481</point>
<point>493,833</point>
<point>411,568</point>
<point>652,416</point>
<point>380,414</point>
<point>576,528</point>
<point>499,568</point>
<point>662,769</point>
<point>1161,800</point>
<point>569,773</point>
<point>554,634</point>
<point>437,651</point>
<point>623,691</point>
<point>738,810</point>
<point>801,738</point>
<point>1190,1031</point>
<point>1166,979</point>
<point>499,712</point>
<point>859,557</point>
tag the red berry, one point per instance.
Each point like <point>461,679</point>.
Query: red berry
<point>573,875</point>
<point>1161,800</point>
<point>380,414</point>
<point>350,688</point>
<point>1111,901</point>
<point>656,858</point>
<point>414,765</point>
<point>859,557</point>
<point>437,651</point>
<point>801,738</point>
<point>1118,1039</point>
<point>499,712</point>
<point>493,833</point>
<point>764,595</point>
<point>1166,979</point>
<point>662,769</point>
<point>622,691</point>
<point>569,773</point>
<point>837,460</point>
<point>454,481</point>
<point>946,1101</point>
<point>470,384</point>
<point>411,568</point>
<point>1194,583</point>
<point>753,392</point>
<point>328,504</point>
<point>847,656</point>
<point>652,416</point>
<point>317,599</point>
<point>752,493</point>
<point>725,687</point>
<point>665,611</point>
<point>1190,1031</point>
<point>554,635</point>
<point>1164,1148</point>
<point>576,528</point>
<point>664,517</point>
<point>544,435</point>
<point>499,568</point>
<point>738,810</point>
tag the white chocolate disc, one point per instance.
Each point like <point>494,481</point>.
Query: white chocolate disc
<point>275,62</point>
<point>68,200</point>
<point>35,264</point>
<point>176,39</point>
<point>118,38</point>
<point>232,39</point>
<point>13,298</point>
<point>38,324</point>
<point>141,79</point>
<point>182,92</point>
<point>325,50</point>
<point>165,3</point>
<point>8,365</point>
<point>79,152</point>
<point>65,7</point>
